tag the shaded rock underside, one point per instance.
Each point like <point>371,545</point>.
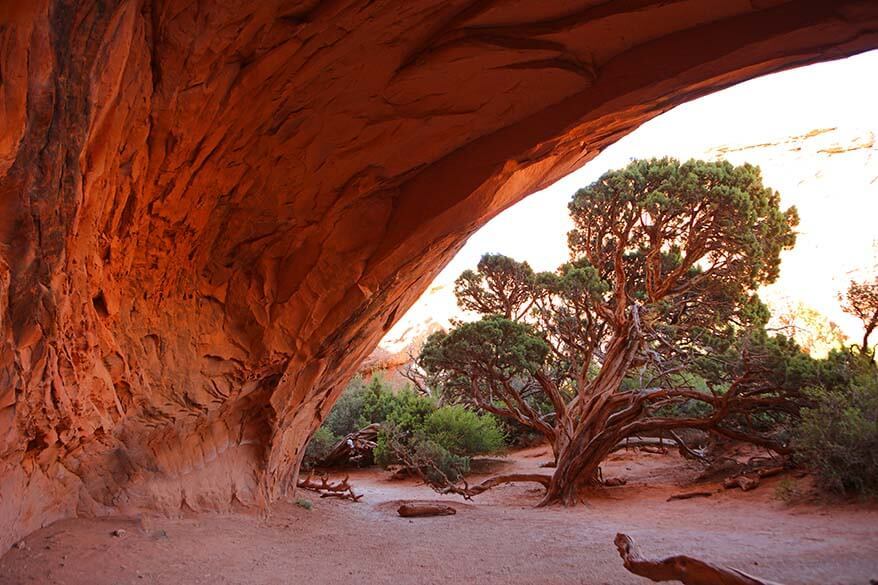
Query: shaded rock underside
<point>210,211</point>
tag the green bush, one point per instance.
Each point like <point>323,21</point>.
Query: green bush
<point>412,424</point>
<point>344,418</point>
<point>405,408</point>
<point>419,453</point>
<point>437,442</point>
<point>319,446</point>
<point>402,417</point>
<point>463,432</point>
<point>838,436</point>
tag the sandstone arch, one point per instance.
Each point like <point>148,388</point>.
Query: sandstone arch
<point>211,211</point>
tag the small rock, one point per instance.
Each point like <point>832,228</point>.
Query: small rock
<point>119,532</point>
<point>20,545</point>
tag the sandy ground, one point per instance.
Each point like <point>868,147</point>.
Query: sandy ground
<point>498,538</point>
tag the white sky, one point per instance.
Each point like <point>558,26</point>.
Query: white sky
<point>837,196</point>
<point>840,94</point>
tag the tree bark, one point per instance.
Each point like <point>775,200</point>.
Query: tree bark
<point>687,570</point>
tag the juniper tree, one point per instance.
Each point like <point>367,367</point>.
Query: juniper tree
<point>665,260</point>
<point>861,301</point>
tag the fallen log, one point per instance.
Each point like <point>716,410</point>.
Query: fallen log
<point>690,495</point>
<point>416,510</point>
<point>687,570</point>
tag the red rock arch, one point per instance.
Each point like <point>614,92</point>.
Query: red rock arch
<point>211,211</point>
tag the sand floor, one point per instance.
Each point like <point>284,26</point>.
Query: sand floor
<point>499,538</point>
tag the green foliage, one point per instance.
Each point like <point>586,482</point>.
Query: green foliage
<point>444,438</point>
<point>467,361</point>
<point>463,432</point>
<point>838,435</point>
<point>345,416</point>
<point>320,445</point>
<point>443,441</point>
<point>507,294</point>
<point>419,453</point>
<point>406,407</point>
<point>713,212</point>
<point>684,245</point>
<point>303,503</point>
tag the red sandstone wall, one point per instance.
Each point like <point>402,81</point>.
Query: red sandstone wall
<point>211,211</point>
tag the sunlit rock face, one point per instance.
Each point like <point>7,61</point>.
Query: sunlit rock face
<point>211,211</point>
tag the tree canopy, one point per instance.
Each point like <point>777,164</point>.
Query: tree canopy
<point>665,261</point>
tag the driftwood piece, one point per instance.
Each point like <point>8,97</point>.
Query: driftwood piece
<point>687,570</point>
<point>416,510</point>
<point>690,495</point>
<point>327,489</point>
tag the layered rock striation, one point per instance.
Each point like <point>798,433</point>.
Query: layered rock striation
<point>211,211</point>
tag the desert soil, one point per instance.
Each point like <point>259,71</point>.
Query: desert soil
<point>500,538</point>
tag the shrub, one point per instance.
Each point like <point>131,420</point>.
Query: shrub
<point>419,453</point>
<point>463,432</point>
<point>437,442</point>
<point>405,408</point>
<point>402,417</point>
<point>412,426</point>
<point>788,491</point>
<point>344,418</point>
<point>319,446</point>
<point>838,436</point>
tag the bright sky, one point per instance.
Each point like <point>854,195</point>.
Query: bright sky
<point>836,193</point>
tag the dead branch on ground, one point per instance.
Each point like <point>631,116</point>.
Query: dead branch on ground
<point>468,491</point>
<point>437,479</point>
<point>687,570</point>
<point>342,489</point>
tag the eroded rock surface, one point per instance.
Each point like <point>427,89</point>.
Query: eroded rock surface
<point>211,211</point>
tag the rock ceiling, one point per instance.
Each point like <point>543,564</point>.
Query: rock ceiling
<point>211,211</point>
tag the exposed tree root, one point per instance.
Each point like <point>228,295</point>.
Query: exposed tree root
<point>327,489</point>
<point>687,570</point>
